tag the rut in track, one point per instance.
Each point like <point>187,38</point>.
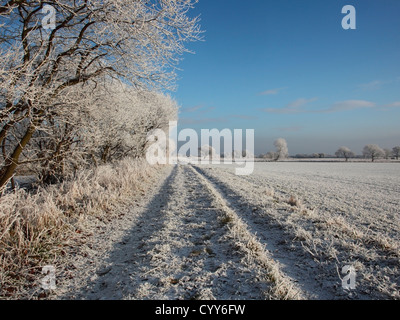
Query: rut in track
<point>188,244</point>
<point>290,258</point>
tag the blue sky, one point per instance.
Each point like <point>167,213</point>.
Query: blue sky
<point>287,68</point>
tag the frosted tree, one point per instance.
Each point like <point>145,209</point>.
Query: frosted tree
<point>247,154</point>
<point>124,116</point>
<point>373,151</point>
<point>239,155</point>
<point>282,151</point>
<point>137,41</point>
<point>270,155</point>
<point>113,124</point>
<point>207,152</point>
<point>396,152</point>
<point>344,152</point>
<point>388,153</point>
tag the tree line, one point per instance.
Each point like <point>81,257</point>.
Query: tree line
<point>90,89</point>
<point>370,151</point>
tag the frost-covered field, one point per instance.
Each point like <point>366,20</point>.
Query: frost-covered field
<point>284,232</point>
<point>339,214</point>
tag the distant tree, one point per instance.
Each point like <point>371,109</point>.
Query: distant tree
<point>247,154</point>
<point>344,152</point>
<point>270,155</point>
<point>388,153</point>
<point>282,151</point>
<point>373,151</point>
<point>207,151</point>
<point>396,152</point>
<point>235,154</point>
<point>301,156</point>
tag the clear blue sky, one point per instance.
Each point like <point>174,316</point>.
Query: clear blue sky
<point>287,68</point>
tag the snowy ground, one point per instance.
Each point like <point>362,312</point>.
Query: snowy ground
<point>284,232</point>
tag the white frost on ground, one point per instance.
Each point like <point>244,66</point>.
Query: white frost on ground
<point>284,232</point>
<point>343,214</point>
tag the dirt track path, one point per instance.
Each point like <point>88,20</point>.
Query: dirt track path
<point>185,243</point>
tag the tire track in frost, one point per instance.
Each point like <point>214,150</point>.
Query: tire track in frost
<point>283,287</point>
<point>188,245</point>
<point>291,260</point>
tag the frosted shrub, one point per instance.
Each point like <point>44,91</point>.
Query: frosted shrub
<point>34,227</point>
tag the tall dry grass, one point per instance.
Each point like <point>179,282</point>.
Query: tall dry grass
<point>34,227</point>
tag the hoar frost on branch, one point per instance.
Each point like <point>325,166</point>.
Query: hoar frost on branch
<point>113,124</point>
<point>125,116</point>
<point>46,75</point>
